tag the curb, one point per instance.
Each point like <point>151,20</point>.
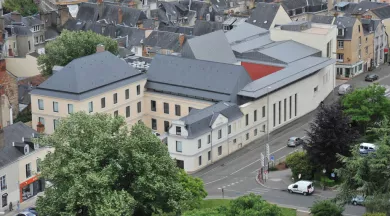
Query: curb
<point>263,185</point>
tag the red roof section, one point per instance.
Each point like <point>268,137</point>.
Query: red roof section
<point>257,71</point>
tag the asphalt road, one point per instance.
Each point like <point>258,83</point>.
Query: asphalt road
<point>236,172</point>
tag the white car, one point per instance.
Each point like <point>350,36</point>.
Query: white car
<point>302,187</point>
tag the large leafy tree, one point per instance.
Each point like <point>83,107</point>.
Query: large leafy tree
<point>24,7</point>
<point>367,106</point>
<point>195,189</point>
<point>251,204</point>
<point>100,168</point>
<point>326,208</point>
<point>369,175</point>
<point>330,134</point>
<point>299,163</point>
<point>71,45</point>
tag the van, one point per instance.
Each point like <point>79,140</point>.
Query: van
<point>344,89</point>
<point>302,187</point>
<point>366,148</point>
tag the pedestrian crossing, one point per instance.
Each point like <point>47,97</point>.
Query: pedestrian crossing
<point>258,191</point>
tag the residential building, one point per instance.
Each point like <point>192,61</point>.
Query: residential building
<point>380,38</point>
<point>302,10</point>
<point>9,87</point>
<point>6,117</point>
<point>37,28</point>
<point>88,84</point>
<point>162,43</point>
<point>267,15</point>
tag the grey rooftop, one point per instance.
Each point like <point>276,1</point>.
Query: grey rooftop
<point>243,31</point>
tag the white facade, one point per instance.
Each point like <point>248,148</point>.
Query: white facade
<point>304,96</point>
<point>9,192</point>
<point>380,43</point>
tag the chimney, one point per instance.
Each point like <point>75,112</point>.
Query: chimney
<point>182,37</point>
<point>100,48</point>
<point>120,16</point>
<point>16,17</point>
<point>40,128</point>
<point>99,1</point>
<point>64,14</point>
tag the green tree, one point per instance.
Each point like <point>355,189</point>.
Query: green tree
<point>374,214</point>
<point>299,163</point>
<point>367,106</point>
<point>71,45</point>
<point>99,168</point>
<point>194,187</point>
<point>24,7</point>
<point>326,208</point>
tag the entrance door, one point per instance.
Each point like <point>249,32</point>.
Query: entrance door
<point>180,164</point>
<point>347,72</point>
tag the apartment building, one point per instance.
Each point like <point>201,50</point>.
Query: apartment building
<point>97,83</point>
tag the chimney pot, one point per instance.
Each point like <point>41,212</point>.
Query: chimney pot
<point>100,48</point>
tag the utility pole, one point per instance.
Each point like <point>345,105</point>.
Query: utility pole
<point>268,88</point>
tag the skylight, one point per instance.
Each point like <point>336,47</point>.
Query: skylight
<point>265,21</point>
<point>254,21</point>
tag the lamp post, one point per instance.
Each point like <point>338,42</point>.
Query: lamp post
<point>268,88</point>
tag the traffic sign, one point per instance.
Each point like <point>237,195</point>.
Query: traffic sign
<point>272,158</point>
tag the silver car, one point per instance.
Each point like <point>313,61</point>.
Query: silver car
<point>294,141</point>
<point>358,200</point>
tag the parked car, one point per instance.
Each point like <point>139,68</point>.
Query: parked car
<point>366,148</point>
<point>344,89</point>
<point>294,141</point>
<point>358,200</point>
<point>25,214</point>
<point>31,210</point>
<point>371,77</point>
<point>303,187</point>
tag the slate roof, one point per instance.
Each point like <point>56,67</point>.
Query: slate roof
<point>130,16</point>
<point>323,19</point>
<point>220,5</point>
<point>31,21</point>
<point>293,4</point>
<point>88,76</point>
<point>164,40</point>
<point>382,12</point>
<point>196,78</point>
<point>20,30</point>
<point>9,134</point>
<point>88,12</point>
<point>364,6</point>
<point>347,24</point>
<point>177,29</point>
<point>74,25</point>
<point>263,15</point>
<point>148,24</point>
<point>243,31</point>
<point>292,73</point>
<point>8,18</point>
<point>94,26</point>
<point>202,8</point>
<point>51,33</point>
<point>24,94</point>
<point>210,47</point>
<point>203,27</point>
<point>199,122</point>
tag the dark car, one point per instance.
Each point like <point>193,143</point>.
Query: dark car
<point>371,77</point>
<point>294,141</point>
<point>31,210</point>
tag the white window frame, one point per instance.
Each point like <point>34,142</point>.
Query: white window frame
<point>179,146</point>
<point>3,182</point>
<point>340,55</point>
<point>340,44</point>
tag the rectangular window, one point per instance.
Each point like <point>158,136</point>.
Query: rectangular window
<point>166,108</point>
<point>55,123</point>
<point>90,107</point>
<point>235,141</point>
<point>41,120</point>
<point>329,49</point>
<point>280,112</point>
<point>360,53</point>
<point>127,111</point>
<point>41,38</point>
<point>255,132</point>
<point>340,57</point>
<point>177,110</point>
<point>255,115</point>
<point>199,143</point>
<point>263,111</point>
<point>219,134</point>
<point>341,44</point>
<point>178,146</point>
<point>55,106</point>
<point>290,110</point>
<point>154,124</point>
<point>296,104</point>
<point>189,109</point>
<point>246,120</point>
<point>264,128</point>
<point>139,107</point>
<point>116,113</point>
<point>208,139</point>
<point>28,170</point>
<point>40,104</point>
<point>219,150</point>
<point>29,46</point>
<point>200,160</point>
<point>285,109</point>
<point>274,119</point>
<point>153,105</point>
<point>178,130</point>
<point>70,108</point>
<point>138,89</point>
<point>360,39</point>
<point>315,89</point>
<point>209,155</point>
<point>127,94</point>
<point>247,136</point>
<point>115,98</point>
<point>103,102</point>
<point>4,200</point>
<point>36,40</point>
<point>229,129</point>
<point>38,161</point>
<point>3,183</point>
<point>166,126</point>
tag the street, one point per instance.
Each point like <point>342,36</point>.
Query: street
<point>236,172</point>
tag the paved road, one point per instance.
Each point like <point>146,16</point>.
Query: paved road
<point>236,172</point>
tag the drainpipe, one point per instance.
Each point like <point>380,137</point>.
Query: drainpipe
<point>11,121</point>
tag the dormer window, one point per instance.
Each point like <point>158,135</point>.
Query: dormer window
<point>26,149</point>
<point>178,130</point>
<point>303,10</point>
<point>36,28</point>
<point>293,12</point>
<point>340,32</point>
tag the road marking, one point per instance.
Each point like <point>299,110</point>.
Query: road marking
<point>215,180</point>
<point>232,191</point>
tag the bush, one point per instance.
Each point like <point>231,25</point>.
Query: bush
<point>326,208</point>
<point>300,164</point>
<point>374,214</point>
<point>328,182</point>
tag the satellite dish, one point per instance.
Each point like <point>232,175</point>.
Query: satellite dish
<point>211,9</point>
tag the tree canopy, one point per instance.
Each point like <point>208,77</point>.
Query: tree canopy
<point>72,45</point>
<point>251,204</point>
<point>330,134</point>
<point>326,208</point>
<point>100,168</point>
<point>299,163</point>
<point>24,7</point>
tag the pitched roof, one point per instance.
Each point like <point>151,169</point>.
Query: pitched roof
<point>135,35</point>
<point>87,12</point>
<point>364,6</point>
<point>88,76</point>
<point>203,27</point>
<point>347,24</point>
<point>263,15</point>
<point>31,21</point>
<point>200,122</point>
<point>292,73</point>
<point>177,29</point>
<point>245,30</point>
<point>196,78</point>
<point>294,4</point>
<point>130,16</point>
<point>252,43</point>
<point>21,30</point>
<point>51,33</point>
<point>323,19</point>
<point>210,47</point>
<point>10,134</point>
<point>74,25</point>
<point>382,12</point>
<point>164,40</point>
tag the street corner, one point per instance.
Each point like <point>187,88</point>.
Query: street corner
<point>272,183</point>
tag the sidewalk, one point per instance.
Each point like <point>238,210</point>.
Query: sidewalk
<point>28,203</point>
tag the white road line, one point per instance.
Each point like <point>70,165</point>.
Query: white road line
<point>215,180</point>
<point>232,190</point>
<point>245,167</point>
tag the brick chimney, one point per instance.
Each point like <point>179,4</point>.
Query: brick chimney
<point>64,14</point>
<point>120,16</point>
<point>182,37</point>
<point>16,17</point>
<point>100,48</point>
<point>40,128</point>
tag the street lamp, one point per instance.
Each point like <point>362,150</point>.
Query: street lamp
<point>268,88</point>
